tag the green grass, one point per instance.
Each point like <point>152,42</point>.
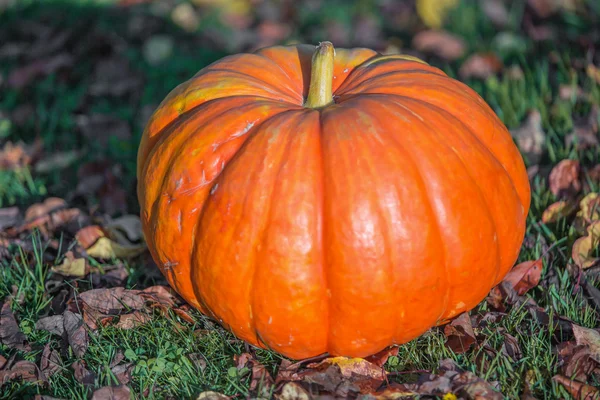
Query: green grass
<point>160,350</point>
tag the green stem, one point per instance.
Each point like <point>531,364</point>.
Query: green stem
<point>321,77</point>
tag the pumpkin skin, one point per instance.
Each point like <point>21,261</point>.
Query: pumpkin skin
<point>342,229</point>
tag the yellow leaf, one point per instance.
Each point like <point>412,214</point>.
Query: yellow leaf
<point>71,267</point>
<point>106,248</point>
<point>450,396</point>
<point>584,247</point>
<point>558,210</point>
<point>433,12</point>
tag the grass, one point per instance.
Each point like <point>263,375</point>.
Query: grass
<point>163,353</point>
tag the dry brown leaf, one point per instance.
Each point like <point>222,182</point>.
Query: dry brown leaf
<point>589,338</point>
<point>123,372</point>
<point>496,11</point>
<point>459,334</point>
<point>559,210</point>
<point>22,370</point>
<point>584,247</point>
<point>82,374</point>
<point>564,179</point>
<point>15,156</point>
<point>439,43</point>
<point>113,301</point>
<point>381,357</point>
<point>120,392</point>
<point>480,66</point>
<point>353,373</point>
<point>23,76</point>
<point>578,390</point>
<point>53,324</point>
<point>530,137</point>
<point>293,391</point>
<point>48,206</point>
<point>86,237</point>
<point>10,333</point>
<point>76,334</point>
<point>210,395</point>
<point>585,131</point>
<point>524,276</point>
<point>511,347</point>
<point>133,320</point>
<point>50,362</point>
<point>9,217</point>
<point>129,225</point>
<point>261,379</point>
<point>576,361</point>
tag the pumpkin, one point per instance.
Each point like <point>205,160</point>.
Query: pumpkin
<point>313,200</point>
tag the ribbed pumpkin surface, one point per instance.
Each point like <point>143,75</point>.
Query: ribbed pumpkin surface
<point>343,229</point>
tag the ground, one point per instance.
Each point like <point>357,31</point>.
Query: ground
<point>78,81</point>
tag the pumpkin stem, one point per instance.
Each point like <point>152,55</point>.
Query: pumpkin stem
<point>321,77</point>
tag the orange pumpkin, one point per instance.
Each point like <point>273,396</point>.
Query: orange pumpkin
<point>336,205</point>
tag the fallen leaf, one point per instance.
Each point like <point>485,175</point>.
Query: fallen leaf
<point>559,210</point>
<point>585,131</point>
<point>439,43</point>
<point>9,217</point>
<point>496,11</point>
<point>57,161</point>
<point>480,66</point>
<point>589,210</point>
<point>564,179</point>
<point>210,395</point>
<point>578,390</point>
<point>113,300</point>
<point>459,334</point>
<point>105,248</point>
<point>15,156</point>
<point>589,338</point>
<point>71,266</point>
<point>293,391</point>
<point>353,373</point>
<point>184,15</point>
<point>10,334</point>
<point>593,72</point>
<point>120,392</point>
<point>23,76</point>
<point>87,236</point>
<point>584,247</point>
<point>77,336</point>
<point>102,128</point>
<point>261,379</point>
<point>82,374</point>
<point>381,357</point>
<point>129,225</point>
<point>198,360</point>
<point>510,347</point>
<point>433,12</point>
<point>122,372</point>
<point>53,324</point>
<point>133,320</point>
<point>530,137</point>
<point>575,361</point>
<point>50,362</point>
<point>22,370</point>
<point>524,276</point>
